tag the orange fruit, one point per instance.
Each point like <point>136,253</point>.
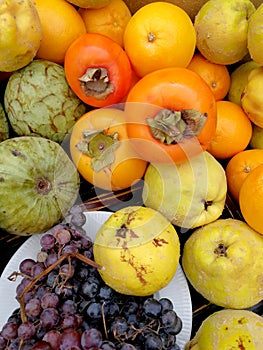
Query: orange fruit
<point>110,20</point>
<point>159,35</point>
<point>215,75</point>
<point>238,168</point>
<point>233,130</point>
<point>250,199</point>
<point>61,25</point>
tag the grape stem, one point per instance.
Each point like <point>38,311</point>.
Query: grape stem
<point>64,256</point>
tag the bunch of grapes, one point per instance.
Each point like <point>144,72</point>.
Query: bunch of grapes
<point>65,305</point>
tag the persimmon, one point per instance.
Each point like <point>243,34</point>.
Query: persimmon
<point>239,167</point>
<point>102,152</point>
<point>171,115</point>
<point>250,199</point>
<point>98,70</point>
<point>233,130</point>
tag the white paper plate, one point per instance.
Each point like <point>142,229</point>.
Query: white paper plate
<point>177,290</point>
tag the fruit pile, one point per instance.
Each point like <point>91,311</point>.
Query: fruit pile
<point>147,92</point>
<point>64,303</point>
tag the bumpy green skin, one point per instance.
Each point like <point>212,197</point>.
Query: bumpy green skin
<point>229,329</point>
<point>38,184</point>
<point>4,129</point>
<point>39,101</point>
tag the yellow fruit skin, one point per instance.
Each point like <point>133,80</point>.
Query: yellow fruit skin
<point>221,27</point>
<point>223,261</point>
<point>90,4</point>
<point>229,329</point>
<point>255,35</point>
<point>252,97</point>
<point>180,192</point>
<point>239,78</point>
<point>141,260</point>
<point>20,34</point>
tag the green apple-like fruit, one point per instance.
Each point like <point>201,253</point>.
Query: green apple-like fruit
<point>255,35</point>
<point>229,329</point>
<point>239,79</point>
<point>256,140</point>
<point>221,28</point>
<point>189,194</point>
<point>223,261</point>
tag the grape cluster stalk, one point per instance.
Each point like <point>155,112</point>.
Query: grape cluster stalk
<point>65,305</point>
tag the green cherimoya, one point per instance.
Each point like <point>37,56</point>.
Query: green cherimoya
<point>38,184</point>
<point>38,101</point>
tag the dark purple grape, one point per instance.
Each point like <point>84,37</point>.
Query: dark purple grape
<point>166,304</point>
<point>49,318</point>
<point>82,273</point>
<point>171,323</point>
<point>3,343</point>
<point>111,308</point>
<point>70,248</point>
<point>107,345</point>
<point>65,292</point>
<point>152,308</point>
<point>69,307</point>
<point>119,326</point>
<point>26,330</point>
<point>49,299</point>
<point>47,241</point>
<point>91,337</point>
<point>69,321</point>
<point>130,308</point>
<point>51,259</point>
<point>78,219</point>
<point>53,338</point>
<point>41,345</point>
<point>174,347</point>
<point>94,311</point>
<point>86,243</point>
<point>37,269</point>
<point>26,265</point>
<point>127,346</point>
<point>105,293</point>
<point>67,271</point>
<point>69,338</point>
<point>22,285</point>
<point>33,307</point>
<point>52,279</point>
<point>76,209</point>
<point>90,289</point>
<point>152,341</point>
<point>62,236</point>
<point>9,330</point>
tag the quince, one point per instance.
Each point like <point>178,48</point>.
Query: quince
<point>252,98</point>
<point>138,249</point>
<point>189,194</point>
<point>255,35</point>
<point>223,261</point>
<point>20,34</point>
<point>221,28</point>
<point>229,329</point>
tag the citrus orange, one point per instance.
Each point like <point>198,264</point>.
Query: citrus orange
<point>61,24</point>
<point>215,75</point>
<point>110,20</point>
<point>159,35</point>
<point>238,168</point>
<point>250,199</point>
<point>233,130</point>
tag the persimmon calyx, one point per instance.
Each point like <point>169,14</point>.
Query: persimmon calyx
<point>95,82</point>
<point>99,147</point>
<point>169,126</point>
